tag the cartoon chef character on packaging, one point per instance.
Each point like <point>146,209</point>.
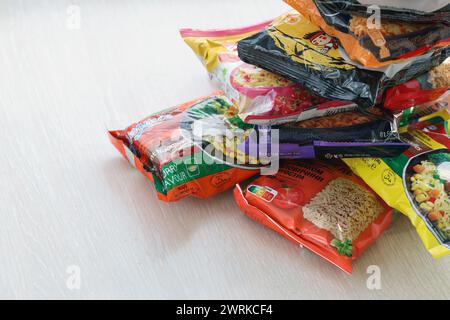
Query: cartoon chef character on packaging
<point>322,40</point>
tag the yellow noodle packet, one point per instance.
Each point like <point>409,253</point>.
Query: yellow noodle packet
<point>416,183</point>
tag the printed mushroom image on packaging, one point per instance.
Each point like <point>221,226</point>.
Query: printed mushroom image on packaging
<point>319,205</point>
<point>416,183</point>
<point>374,42</point>
<point>162,152</point>
<point>261,97</point>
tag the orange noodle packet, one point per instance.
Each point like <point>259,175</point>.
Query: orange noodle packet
<point>401,10</point>
<point>262,97</point>
<point>370,43</point>
<point>320,205</point>
<point>162,152</point>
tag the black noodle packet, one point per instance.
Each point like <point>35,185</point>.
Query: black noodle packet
<point>297,49</point>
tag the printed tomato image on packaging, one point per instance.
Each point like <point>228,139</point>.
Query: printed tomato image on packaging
<point>159,149</point>
<point>262,97</point>
<point>417,184</point>
<point>319,205</point>
<point>374,45</point>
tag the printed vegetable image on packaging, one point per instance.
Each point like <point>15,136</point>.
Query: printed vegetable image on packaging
<point>415,184</point>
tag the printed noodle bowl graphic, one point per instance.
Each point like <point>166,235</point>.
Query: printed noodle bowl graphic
<point>407,173</point>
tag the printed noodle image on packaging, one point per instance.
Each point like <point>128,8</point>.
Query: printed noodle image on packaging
<point>320,205</point>
<point>261,97</point>
<point>374,46</point>
<point>420,90</point>
<point>157,147</point>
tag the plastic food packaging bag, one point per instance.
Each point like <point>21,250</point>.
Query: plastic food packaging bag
<point>416,183</point>
<point>163,153</point>
<point>437,122</point>
<point>262,97</point>
<point>290,47</point>
<point>377,46</point>
<point>403,10</point>
<point>343,135</point>
<point>319,205</point>
<point>417,113</point>
<point>220,133</point>
<point>424,88</point>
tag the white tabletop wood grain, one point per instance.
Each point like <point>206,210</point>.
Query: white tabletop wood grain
<point>69,204</point>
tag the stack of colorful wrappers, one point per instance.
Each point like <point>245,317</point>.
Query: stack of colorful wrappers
<point>327,119</point>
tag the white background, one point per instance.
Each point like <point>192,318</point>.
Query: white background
<point>68,198</point>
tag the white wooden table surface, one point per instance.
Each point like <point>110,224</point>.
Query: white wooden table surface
<point>70,205</point>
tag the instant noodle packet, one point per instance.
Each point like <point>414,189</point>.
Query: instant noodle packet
<point>343,135</point>
<point>299,50</point>
<point>422,112</point>
<point>262,97</point>
<point>225,137</point>
<point>167,156</point>
<point>416,183</point>
<point>374,46</point>
<point>319,205</point>
<point>424,88</point>
<point>436,122</point>
<point>403,10</point>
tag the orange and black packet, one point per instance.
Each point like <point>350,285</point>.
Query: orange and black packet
<point>319,205</point>
<point>162,152</point>
<point>390,42</point>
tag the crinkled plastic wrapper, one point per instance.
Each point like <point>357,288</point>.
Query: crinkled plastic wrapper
<point>299,50</point>
<point>416,183</point>
<point>406,10</point>
<point>420,90</point>
<point>169,158</point>
<point>416,113</point>
<point>225,137</point>
<point>320,205</point>
<point>423,112</point>
<point>437,122</point>
<point>378,46</point>
<point>262,97</point>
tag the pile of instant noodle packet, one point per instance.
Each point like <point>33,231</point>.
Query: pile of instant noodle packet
<point>328,118</point>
